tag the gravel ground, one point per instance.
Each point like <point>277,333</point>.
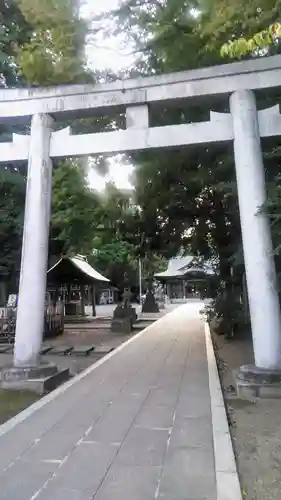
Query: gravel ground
<point>255,427</point>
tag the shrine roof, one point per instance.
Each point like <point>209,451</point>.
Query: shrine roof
<point>74,269</point>
<point>182,266</point>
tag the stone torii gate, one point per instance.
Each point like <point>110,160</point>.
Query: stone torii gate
<point>244,125</point>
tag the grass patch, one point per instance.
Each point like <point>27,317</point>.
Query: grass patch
<point>12,402</point>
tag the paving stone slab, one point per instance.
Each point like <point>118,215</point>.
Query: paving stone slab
<point>18,484</point>
<point>162,397</point>
<point>130,483</point>
<point>61,350</point>
<point>170,496</point>
<point>103,349</point>
<point>195,406</point>
<point>113,426</point>
<point>86,467</point>
<point>144,447</point>
<point>54,445</point>
<point>193,432</point>
<point>82,350</point>
<point>51,493</point>
<point>188,473</point>
<point>159,417</point>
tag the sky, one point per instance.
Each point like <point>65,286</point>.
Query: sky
<point>108,54</point>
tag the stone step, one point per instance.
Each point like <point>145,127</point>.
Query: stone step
<point>103,349</point>
<point>86,328</point>
<point>6,348</point>
<point>45,349</point>
<point>61,350</point>
<point>82,350</point>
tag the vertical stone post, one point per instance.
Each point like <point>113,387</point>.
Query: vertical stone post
<point>82,300</point>
<point>169,291</point>
<point>92,289</point>
<point>32,288</point>
<point>182,290</point>
<point>257,244</point>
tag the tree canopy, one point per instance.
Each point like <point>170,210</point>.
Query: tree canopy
<point>74,210</point>
<point>188,198</point>
<point>42,42</point>
<point>54,54</point>
<point>184,200</point>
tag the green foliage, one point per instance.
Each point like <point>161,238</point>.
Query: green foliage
<point>74,210</point>
<point>187,198</point>
<point>190,192</point>
<point>273,208</point>
<point>115,251</point>
<point>121,239</point>
<point>114,255</point>
<point>42,42</point>
<point>264,39</point>
<point>115,258</point>
<point>12,199</point>
<point>243,27</point>
<point>225,315</point>
<point>15,31</point>
<point>55,52</point>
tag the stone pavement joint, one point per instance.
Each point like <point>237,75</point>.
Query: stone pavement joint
<point>137,426</point>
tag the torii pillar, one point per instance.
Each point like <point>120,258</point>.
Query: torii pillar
<point>27,367</point>
<point>264,379</point>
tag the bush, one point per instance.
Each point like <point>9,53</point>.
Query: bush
<point>225,315</point>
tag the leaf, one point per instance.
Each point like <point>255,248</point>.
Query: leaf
<point>224,51</point>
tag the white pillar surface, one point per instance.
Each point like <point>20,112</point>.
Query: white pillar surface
<point>30,313</point>
<point>257,243</point>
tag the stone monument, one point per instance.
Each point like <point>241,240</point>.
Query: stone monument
<point>150,305</point>
<point>124,315</point>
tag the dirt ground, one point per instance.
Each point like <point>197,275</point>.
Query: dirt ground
<point>255,427</point>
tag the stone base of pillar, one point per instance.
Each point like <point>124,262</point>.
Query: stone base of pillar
<point>252,382</point>
<point>122,311</point>
<point>122,325</point>
<point>40,379</point>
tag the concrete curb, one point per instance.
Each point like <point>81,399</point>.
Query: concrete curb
<point>228,485</point>
<point>23,415</point>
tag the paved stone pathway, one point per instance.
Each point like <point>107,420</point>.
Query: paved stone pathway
<point>137,427</point>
